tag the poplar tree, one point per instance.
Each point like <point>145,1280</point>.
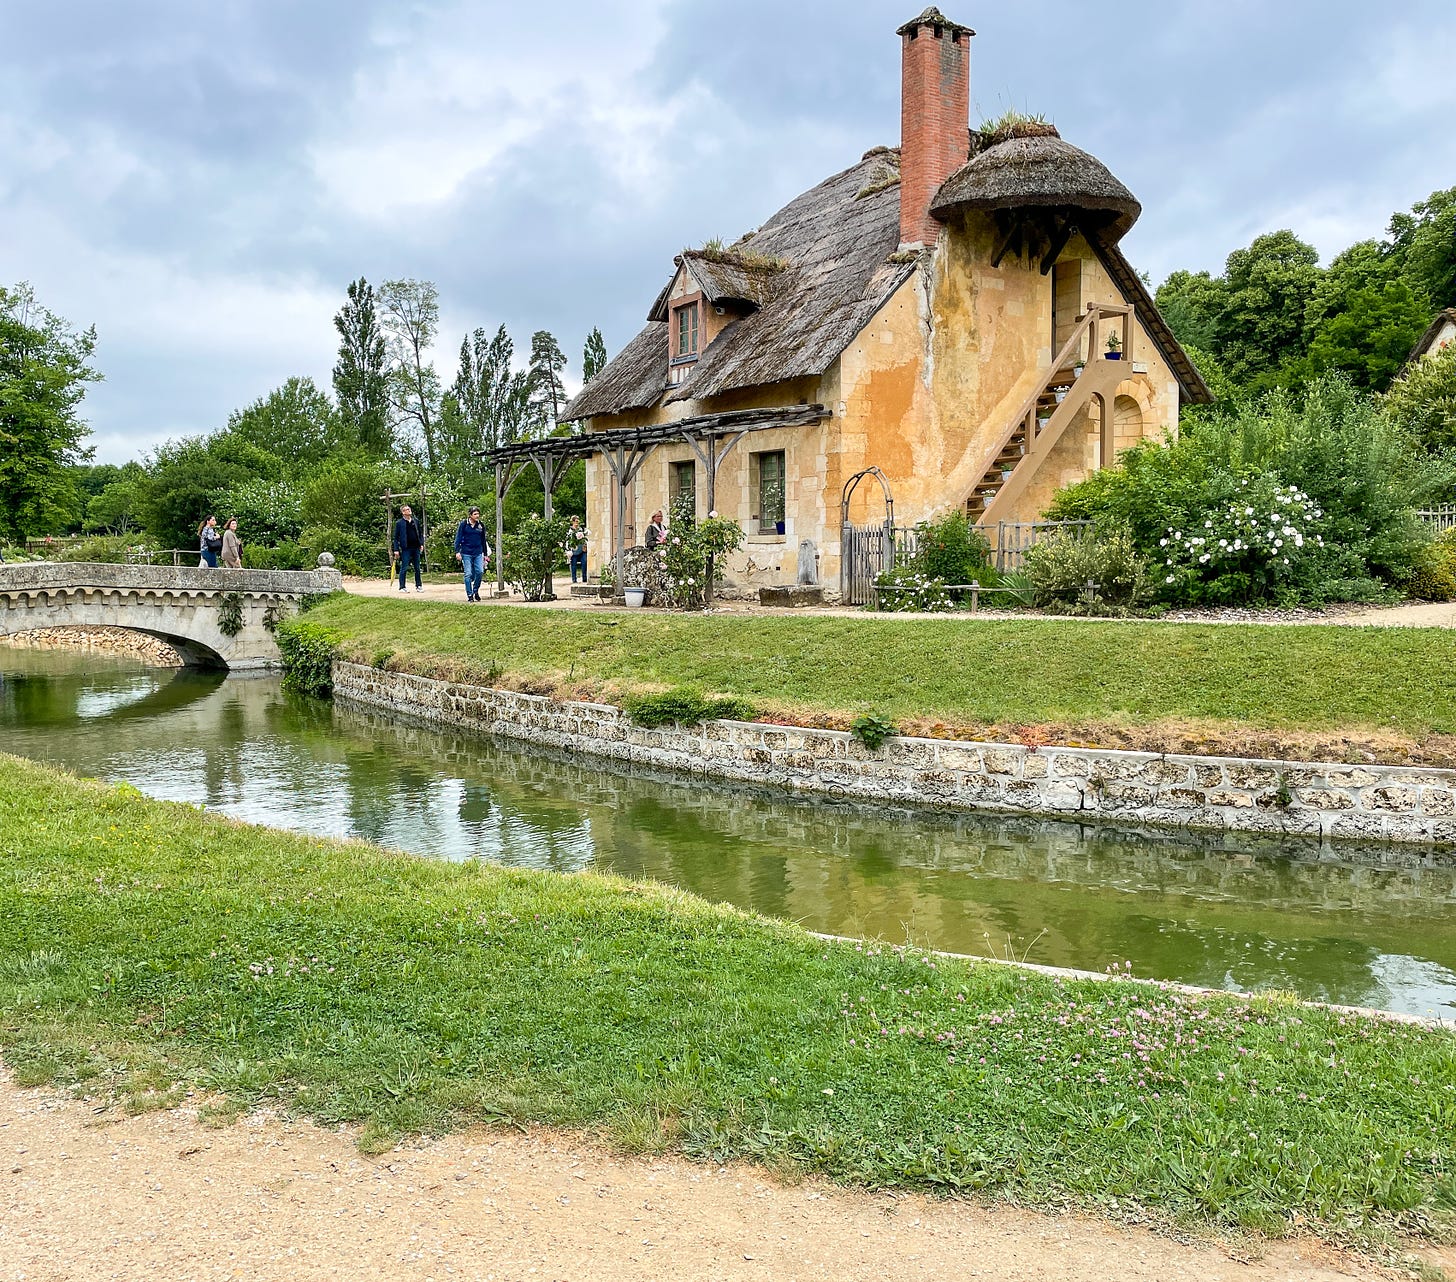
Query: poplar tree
<point>361,381</point>
<point>593,356</point>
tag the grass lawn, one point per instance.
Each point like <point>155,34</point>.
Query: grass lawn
<point>1325,680</point>
<point>150,948</point>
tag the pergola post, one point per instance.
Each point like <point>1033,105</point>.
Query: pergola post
<point>506,475</point>
<point>546,468</point>
<point>711,458</point>
<point>625,460</point>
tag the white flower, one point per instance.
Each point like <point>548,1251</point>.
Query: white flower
<point>1223,543</point>
<point>1169,579</point>
<point>1162,543</point>
<point>1203,560</point>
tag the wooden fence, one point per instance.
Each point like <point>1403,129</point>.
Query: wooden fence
<point>1011,539</point>
<point>1440,518</point>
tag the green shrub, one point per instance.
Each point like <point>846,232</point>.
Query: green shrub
<point>352,553</point>
<point>694,549</point>
<point>1331,442</point>
<point>951,549</point>
<point>906,588</point>
<point>308,651</point>
<point>872,730</point>
<point>1434,578</point>
<point>286,556</point>
<point>104,549</point>
<point>1062,565</point>
<point>684,706</point>
<point>533,553</point>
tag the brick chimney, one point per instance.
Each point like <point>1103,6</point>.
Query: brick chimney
<point>935,115</point>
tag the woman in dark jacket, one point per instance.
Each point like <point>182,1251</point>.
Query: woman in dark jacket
<point>210,542</point>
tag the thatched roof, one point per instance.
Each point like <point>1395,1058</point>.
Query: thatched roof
<point>727,277</point>
<point>1038,170</point>
<point>1428,339</point>
<point>837,241</point>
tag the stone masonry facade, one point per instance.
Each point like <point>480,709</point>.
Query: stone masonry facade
<point>1357,802</point>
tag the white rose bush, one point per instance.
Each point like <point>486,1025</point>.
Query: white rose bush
<point>1251,547</point>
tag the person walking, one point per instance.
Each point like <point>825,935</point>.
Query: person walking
<point>576,548</point>
<point>408,546</point>
<point>232,546</point>
<point>209,543</point>
<point>472,551</point>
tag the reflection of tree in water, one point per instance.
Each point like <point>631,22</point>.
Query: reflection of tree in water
<point>1203,908</point>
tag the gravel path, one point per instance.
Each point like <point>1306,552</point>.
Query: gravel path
<point>90,1194</point>
<point>1413,615</point>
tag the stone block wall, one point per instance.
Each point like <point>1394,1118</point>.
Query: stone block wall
<point>1380,803</point>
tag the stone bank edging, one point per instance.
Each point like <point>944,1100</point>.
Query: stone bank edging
<point>1370,802</point>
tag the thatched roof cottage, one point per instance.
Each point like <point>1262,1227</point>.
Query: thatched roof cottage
<point>939,315</point>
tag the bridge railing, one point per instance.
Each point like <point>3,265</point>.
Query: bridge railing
<point>163,556</point>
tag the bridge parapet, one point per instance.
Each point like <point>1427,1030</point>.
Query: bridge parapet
<point>212,617</point>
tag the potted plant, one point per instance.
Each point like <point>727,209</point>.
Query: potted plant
<point>634,597</point>
<point>1114,347</point>
<point>1078,368</point>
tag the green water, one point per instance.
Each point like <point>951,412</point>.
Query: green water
<point>1373,927</point>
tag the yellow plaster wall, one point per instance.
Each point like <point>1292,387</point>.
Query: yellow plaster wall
<point>924,392</point>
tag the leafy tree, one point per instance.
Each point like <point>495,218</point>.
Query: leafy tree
<point>117,507</point>
<point>547,392</point>
<point>1422,401</point>
<point>361,379</point>
<point>269,511</point>
<point>1192,303</point>
<point>1263,323</point>
<point>410,322</point>
<point>1369,336</point>
<point>491,396</point>
<point>1424,244</point>
<point>296,422</point>
<point>44,369</point>
<point>593,356</point>
<point>187,479</point>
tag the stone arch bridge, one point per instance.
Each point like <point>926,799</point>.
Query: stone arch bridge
<point>213,618</point>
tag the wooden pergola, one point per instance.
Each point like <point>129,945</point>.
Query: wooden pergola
<point>625,449</point>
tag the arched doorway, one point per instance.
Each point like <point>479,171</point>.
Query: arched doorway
<point>1127,426</point>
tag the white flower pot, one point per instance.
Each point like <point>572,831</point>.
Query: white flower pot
<point>635,597</point>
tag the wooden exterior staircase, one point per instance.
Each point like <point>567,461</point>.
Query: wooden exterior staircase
<point>1051,407</point>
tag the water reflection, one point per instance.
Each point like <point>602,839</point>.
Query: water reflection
<point>1370,927</point>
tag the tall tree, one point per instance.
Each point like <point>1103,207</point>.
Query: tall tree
<point>361,380</point>
<point>410,321</point>
<point>593,356</point>
<point>1424,243</point>
<point>44,369</point>
<point>491,395</point>
<point>1263,326</point>
<point>547,392</point>
<point>297,422</point>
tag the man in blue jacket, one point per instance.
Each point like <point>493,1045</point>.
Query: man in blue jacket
<point>408,546</point>
<point>471,550</point>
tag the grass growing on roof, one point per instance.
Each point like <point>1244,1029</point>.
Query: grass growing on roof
<point>1008,672</point>
<point>150,948</point>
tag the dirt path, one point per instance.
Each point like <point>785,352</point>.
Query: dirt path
<point>93,1195</point>
<point>1422,615</point>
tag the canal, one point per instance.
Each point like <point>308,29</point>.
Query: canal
<point>1372,927</point>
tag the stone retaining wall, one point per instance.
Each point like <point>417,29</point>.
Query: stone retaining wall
<point>1383,803</point>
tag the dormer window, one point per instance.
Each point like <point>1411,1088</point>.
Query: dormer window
<point>687,330</point>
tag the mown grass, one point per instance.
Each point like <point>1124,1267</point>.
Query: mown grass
<point>150,948</point>
<point>1030,671</point>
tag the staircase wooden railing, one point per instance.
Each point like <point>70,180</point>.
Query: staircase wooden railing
<point>1026,439</point>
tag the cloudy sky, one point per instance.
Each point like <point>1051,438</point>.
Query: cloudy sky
<point>201,180</point>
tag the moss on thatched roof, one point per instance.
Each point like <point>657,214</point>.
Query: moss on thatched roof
<point>932,17</point>
<point>1035,168</point>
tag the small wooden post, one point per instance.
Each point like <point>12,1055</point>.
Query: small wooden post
<point>975,595</point>
<point>500,528</point>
